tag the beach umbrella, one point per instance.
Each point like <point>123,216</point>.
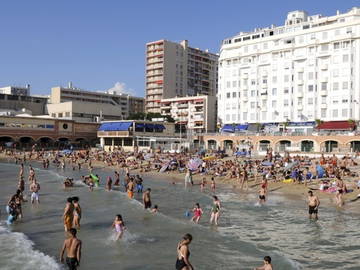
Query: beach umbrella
<point>194,163</point>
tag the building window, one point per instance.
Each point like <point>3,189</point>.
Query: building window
<point>286,103</point>
<point>273,103</point>
<point>324,47</point>
<point>234,94</point>
<point>301,75</point>
<point>252,105</point>
<point>323,113</point>
<point>323,100</point>
<point>234,84</point>
<point>335,113</point>
<point>245,114</point>
<point>336,45</point>
<point>286,90</point>
<point>274,92</point>
<point>310,88</point>
<point>310,101</point>
<point>324,86</point>
<point>345,58</point>
<point>335,86</point>
<point>311,75</point>
<point>67,114</point>
<point>274,79</point>
<point>344,112</point>
<point>345,85</point>
<point>253,93</point>
<point>227,95</point>
<point>60,115</point>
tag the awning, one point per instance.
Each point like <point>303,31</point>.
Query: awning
<point>337,125</point>
<point>149,126</point>
<point>241,127</point>
<point>159,126</point>
<point>139,125</point>
<point>115,126</point>
<point>228,128</point>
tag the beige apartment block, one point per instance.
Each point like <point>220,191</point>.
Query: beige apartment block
<point>90,106</point>
<point>175,69</point>
<point>197,113</point>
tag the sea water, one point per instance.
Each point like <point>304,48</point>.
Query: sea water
<point>246,233</point>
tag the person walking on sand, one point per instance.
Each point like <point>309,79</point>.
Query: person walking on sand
<point>72,246</point>
<point>314,203</point>
<point>215,211</point>
<point>147,199</point>
<point>267,264</point>
<point>183,253</point>
<point>68,215</point>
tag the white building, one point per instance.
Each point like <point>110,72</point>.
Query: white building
<point>196,113</point>
<point>305,70</point>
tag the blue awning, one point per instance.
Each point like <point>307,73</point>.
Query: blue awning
<point>159,127</point>
<point>228,128</point>
<point>139,125</point>
<point>115,126</point>
<point>149,126</point>
<point>241,127</point>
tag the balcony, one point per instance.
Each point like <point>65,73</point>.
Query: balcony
<point>324,67</point>
<point>325,79</point>
<point>323,93</point>
<point>300,82</point>
<point>299,94</point>
<point>183,106</point>
<point>323,106</point>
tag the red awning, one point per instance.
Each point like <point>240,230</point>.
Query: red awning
<point>337,125</point>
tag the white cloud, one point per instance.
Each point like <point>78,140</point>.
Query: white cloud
<point>121,88</point>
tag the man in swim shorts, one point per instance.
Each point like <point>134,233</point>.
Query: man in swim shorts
<point>130,189</point>
<point>34,188</point>
<point>68,214</point>
<point>147,199</point>
<point>267,264</point>
<point>314,203</point>
<point>73,251</point>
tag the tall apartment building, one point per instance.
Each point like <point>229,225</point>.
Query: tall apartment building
<point>305,70</point>
<point>89,106</point>
<point>197,113</point>
<point>175,69</point>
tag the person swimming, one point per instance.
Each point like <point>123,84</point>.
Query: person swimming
<point>119,226</point>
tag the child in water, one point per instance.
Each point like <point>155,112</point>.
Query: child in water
<point>119,226</point>
<point>197,213</point>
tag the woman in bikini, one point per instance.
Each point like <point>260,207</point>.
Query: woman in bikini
<point>183,254</point>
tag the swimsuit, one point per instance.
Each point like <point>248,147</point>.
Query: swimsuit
<point>72,263</point>
<point>34,196</point>
<point>197,213</point>
<point>262,197</point>
<point>180,263</point>
<point>118,228</point>
<point>215,208</point>
<point>147,204</point>
<point>130,194</point>
<point>312,210</point>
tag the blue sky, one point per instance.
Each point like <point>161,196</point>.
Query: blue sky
<point>95,44</point>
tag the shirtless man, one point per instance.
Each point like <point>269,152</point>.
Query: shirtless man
<point>68,215</point>
<point>267,264</point>
<point>314,203</point>
<point>72,246</point>
<point>108,183</point>
<point>21,173</point>
<point>262,194</point>
<point>34,188</point>
<point>130,189</point>
<point>147,199</point>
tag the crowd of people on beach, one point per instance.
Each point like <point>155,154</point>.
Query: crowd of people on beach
<point>324,174</point>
